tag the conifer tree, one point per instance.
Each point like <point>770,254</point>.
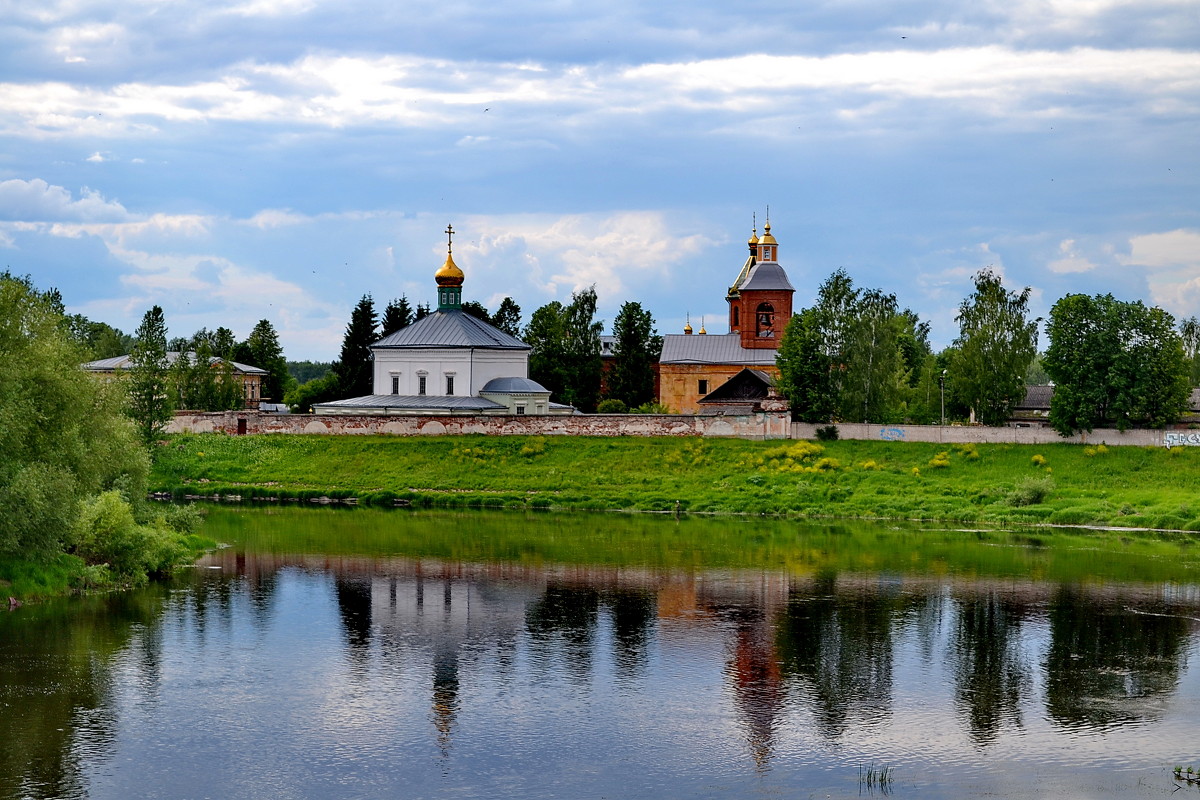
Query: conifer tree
<point>266,353</point>
<point>353,366</point>
<point>508,317</point>
<point>397,316</point>
<point>150,401</point>
<point>637,349</point>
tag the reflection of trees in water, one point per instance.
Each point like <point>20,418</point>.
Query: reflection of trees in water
<point>838,647</point>
<point>1106,662</point>
<point>565,616</point>
<point>354,607</point>
<point>633,617</point>
<point>990,674</point>
<point>69,646</point>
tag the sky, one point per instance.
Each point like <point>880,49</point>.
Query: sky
<point>238,160</point>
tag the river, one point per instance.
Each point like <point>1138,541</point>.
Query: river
<point>366,654</point>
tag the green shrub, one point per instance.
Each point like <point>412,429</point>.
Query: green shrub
<point>827,433</point>
<point>651,408</point>
<point>1030,492</point>
<point>612,406</point>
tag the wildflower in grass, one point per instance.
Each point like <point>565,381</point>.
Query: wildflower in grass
<point>941,460</point>
<point>869,464</point>
<point>1039,460</point>
<point>916,471</point>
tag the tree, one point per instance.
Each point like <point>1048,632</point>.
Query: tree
<point>566,349</point>
<point>266,353</point>
<point>477,310</point>
<point>1189,332</point>
<point>150,400</point>
<point>1113,361</point>
<point>637,349</point>
<point>875,374</point>
<point>223,343</point>
<point>508,317</point>
<point>318,390</point>
<point>200,381</point>
<point>422,312</point>
<point>996,343</point>
<point>62,432</point>
<point>397,316</point>
<point>804,369</point>
<point>353,367</point>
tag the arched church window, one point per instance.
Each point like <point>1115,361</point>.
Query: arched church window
<point>765,321</point>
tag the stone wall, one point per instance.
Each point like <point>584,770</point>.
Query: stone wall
<point>956,434</point>
<point>767,425</point>
<point>764,425</point>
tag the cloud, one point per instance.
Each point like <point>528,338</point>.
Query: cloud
<point>1172,263</point>
<point>39,201</point>
<point>337,91</point>
<point>614,252</point>
<point>1070,260</point>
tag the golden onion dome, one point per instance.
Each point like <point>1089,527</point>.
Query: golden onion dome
<point>687,328</point>
<point>449,274</point>
<point>702,331</point>
<point>753,238</point>
<point>767,238</point>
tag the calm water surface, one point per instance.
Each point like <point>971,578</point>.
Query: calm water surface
<point>363,654</point>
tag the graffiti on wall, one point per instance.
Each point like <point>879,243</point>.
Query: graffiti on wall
<point>1181,439</point>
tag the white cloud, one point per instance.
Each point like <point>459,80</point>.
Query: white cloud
<point>566,254</point>
<point>1172,263</point>
<point>1070,260</point>
<point>39,201</point>
<point>324,90</point>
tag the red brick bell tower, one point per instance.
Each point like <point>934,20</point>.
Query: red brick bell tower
<point>760,301</point>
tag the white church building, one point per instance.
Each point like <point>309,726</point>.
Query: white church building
<point>450,363</point>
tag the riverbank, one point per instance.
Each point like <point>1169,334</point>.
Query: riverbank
<point>994,484</point>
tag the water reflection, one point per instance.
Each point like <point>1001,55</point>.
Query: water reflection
<point>1112,663</point>
<point>371,674</point>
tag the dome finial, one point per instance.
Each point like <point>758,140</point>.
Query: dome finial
<point>754,229</point>
<point>449,274</point>
<point>687,325</point>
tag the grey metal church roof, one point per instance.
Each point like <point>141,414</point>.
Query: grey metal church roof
<point>451,328</point>
<point>381,401</point>
<point>679,348</point>
<point>126,362</point>
<point>767,276</point>
<point>513,386</point>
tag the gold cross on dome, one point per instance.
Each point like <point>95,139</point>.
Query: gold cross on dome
<point>449,238</point>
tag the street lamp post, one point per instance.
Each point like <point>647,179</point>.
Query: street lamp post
<point>942,387</point>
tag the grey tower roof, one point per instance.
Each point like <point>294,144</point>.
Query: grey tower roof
<point>768,276</point>
<point>513,386</point>
<point>679,348</point>
<point>451,328</point>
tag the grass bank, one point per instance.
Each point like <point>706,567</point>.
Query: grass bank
<point>997,484</point>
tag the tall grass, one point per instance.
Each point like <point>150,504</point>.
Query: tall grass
<point>997,484</point>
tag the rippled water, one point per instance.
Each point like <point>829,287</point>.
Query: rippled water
<point>363,655</point>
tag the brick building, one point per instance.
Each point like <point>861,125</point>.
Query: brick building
<point>760,304</point>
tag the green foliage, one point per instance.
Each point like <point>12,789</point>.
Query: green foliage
<point>319,390</point>
<point>304,371</point>
<point>1030,491</point>
<point>353,367</point>
<point>996,344</point>
<point>200,382</point>
<point>267,353</point>
<point>637,349</point>
<point>396,317</point>
<point>508,317</point>
<point>804,369</point>
<point>827,433</point>
<point>612,406</point>
<point>874,352</point>
<point>1114,361</point>
<point>650,408</point>
<point>151,398</point>
<point>566,350</point>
